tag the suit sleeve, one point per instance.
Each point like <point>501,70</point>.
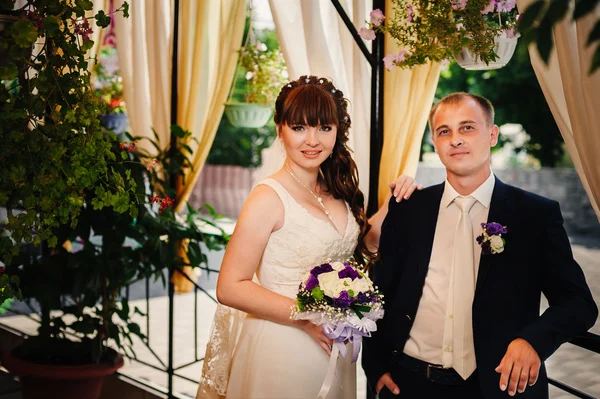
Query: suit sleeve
<point>378,348</point>
<point>572,310</point>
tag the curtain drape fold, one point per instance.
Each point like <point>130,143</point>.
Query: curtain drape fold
<point>210,35</point>
<point>407,98</point>
<point>573,95</point>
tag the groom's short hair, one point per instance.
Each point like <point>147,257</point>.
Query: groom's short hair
<point>455,98</point>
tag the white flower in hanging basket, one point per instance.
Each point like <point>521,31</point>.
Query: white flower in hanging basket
<point>506,43</point>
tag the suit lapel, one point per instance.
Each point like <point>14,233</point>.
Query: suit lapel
<point>499,208</point>
<point>429,220</point>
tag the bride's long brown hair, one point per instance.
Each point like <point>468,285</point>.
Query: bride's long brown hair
<point>315,101</point>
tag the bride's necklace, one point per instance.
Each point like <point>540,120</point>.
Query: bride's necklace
<point>317,197</point>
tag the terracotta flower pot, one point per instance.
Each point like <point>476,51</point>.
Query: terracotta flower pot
<point>42,381</point>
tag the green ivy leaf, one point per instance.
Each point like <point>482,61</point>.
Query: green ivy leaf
<point>583,7</point>
<point>87,5</point>
<point>102,20</point>
<point>594,34</point>
<point>24,33</point>
<point>8,72</point>
<point>51,25</point>
<point>530,15</point>
<point>125,8</point>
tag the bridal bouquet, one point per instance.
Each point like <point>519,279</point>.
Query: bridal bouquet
<point>340,297</point>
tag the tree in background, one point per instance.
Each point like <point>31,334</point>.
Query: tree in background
<point>517,98</point>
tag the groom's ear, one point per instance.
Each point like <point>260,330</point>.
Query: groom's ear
<point>494,132</point>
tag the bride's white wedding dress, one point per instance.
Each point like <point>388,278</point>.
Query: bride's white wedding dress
<point>271,360</point>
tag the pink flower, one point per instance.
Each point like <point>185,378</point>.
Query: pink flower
<point>511,33</point>
<point>391,61</point>
<point>460,26</point>
<point>409,11</point>
<point>490,7</point>
<point>377,17</point>
<point>458,4</point>
<point>367,34</point>
<point>506,5</point>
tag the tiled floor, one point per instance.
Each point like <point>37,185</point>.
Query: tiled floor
<point>571,365</point>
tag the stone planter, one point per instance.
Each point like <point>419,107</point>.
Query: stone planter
<point>505,48</point>
<point>247,114</point>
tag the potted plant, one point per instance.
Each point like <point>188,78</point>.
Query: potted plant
<point>109,88</point>
<point>53,150</point>
<point>479,34</point>
<point>265,73</point>
<point>84,316</point>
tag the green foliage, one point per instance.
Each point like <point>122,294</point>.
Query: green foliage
<point>265,72</point>
<point>80,289</point>
<point>243,146</point>
<point>540,17</point>
<point>517,98</point>
<point>53,149</point>
<point>431,30</point>
<point>109,88</point>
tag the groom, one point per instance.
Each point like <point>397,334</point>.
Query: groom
<point>462,311</point>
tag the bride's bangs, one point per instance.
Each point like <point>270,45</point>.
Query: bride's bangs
<point>310,105</point>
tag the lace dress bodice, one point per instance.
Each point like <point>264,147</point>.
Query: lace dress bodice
<point>304,241</point>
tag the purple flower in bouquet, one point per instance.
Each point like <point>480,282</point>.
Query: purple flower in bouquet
<point>324,268</point>
<point>349,272</point>
<point>362,298</point>
<point>312,282</point>
<point>343,301</point>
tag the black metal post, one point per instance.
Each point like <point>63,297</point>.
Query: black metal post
<point>376,115</point>
<point>173,183</point>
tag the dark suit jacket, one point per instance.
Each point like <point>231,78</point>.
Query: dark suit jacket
<point>537,259</point>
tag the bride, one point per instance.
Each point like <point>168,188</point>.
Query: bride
<point>309,211</point>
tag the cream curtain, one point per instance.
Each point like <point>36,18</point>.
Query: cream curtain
<point>144,49</point>
<point>407,98</point>
<point>574,96</point>
<point>315,41</point>
<point>211,35</point>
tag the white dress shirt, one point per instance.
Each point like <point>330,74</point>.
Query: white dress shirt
<point>430,338</point>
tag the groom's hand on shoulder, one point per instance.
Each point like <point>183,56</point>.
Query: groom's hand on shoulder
<point>386,380</point>
<point>519,367</point>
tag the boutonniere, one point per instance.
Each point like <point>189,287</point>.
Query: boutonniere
<point>491,240</point>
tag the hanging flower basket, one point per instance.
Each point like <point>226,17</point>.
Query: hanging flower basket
<point>426,31</point>
<point>247,114</point>
<point>504,48</point>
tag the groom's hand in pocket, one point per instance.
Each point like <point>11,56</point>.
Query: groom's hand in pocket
<point>519,367</point>
<point>386,381</point>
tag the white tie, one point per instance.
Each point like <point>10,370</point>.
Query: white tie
<point>463,351</point>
